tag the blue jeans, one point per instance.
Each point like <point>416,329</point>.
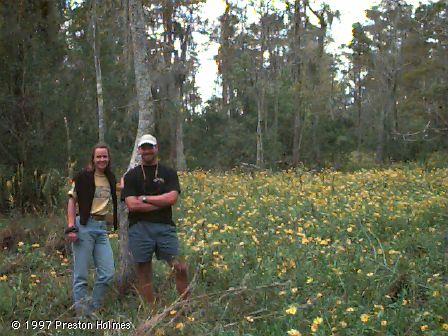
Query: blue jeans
<point>93,243</point>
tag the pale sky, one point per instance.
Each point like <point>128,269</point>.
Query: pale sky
<point>351,11</point>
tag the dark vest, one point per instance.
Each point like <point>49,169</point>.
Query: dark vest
<point>85,191</point>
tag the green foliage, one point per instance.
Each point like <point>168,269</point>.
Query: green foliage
<point>349,253</point>
<point>437,160</point>
<point>32,192</point>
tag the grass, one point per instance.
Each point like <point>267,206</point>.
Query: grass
<point>287,253</point>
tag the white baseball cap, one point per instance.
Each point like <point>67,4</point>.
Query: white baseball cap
<point>147,139</point>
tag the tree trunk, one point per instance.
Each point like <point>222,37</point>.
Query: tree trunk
<point>315,138</point>
<point>358,102</point>
<point>276,111</point>
<point>145,125</point>
<point>99,81</point>
<point>296,140</point>
<point>181,163</point>
<point>260,108</point>
<point>379,155</point>
<point>146,120</point>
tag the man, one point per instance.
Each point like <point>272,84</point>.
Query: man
<point>150,191</point>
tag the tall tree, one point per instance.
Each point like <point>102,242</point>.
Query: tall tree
<point>388,32</point>
<point>360,63</point>
<point>146,124</point>
<point>99,81</point>
<point>146,118</point>
<point>31,56</point>
<point>296,12</point>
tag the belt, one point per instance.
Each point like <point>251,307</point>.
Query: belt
<point>98,217</point>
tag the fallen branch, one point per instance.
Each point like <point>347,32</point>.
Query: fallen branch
<point>148,326</point>
<point>180,304</point>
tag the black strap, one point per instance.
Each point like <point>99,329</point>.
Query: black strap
<point>71,229</point>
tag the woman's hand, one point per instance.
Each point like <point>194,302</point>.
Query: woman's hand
<point>71,234</point>
<point>71,237</point>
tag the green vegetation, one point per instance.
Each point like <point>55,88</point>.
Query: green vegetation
<point>288,253</point>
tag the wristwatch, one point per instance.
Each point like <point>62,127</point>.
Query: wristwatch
<point>144,199</point>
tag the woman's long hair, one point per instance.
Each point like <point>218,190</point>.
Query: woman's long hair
<point>91,165</point>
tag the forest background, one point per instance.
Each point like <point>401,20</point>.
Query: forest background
<point>76,73</point>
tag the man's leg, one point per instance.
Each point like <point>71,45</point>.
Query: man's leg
<point>180,269</point>
<point>144,281</point>
<point>142,248</point>
<point>168,249</point>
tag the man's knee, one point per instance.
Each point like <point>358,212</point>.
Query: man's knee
<point>144,271</point>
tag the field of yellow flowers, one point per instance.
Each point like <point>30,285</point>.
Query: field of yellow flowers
<point>290,253</point>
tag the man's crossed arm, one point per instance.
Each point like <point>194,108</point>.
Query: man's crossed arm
<point>152,202</point>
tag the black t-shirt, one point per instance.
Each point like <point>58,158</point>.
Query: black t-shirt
<point>136,185</point>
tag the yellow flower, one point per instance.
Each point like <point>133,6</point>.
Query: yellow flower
<point>391,252</point>
<point>424,327</point>
<point>294,290</point>
<point>160,332</point>
<point>20,244</point>
<point>292,310</point>
<point>445,326</point>
<point>35,245</point>
<point>3,278</point>
<point>343,324</point>
<point>173,312</point>
<point>294,332</point>
<point>309,280</point>
<point>318,320</point>
<point>180,326</point>
<point>383,323</point>
<point>350,309</point>
<point>364,318</point>
<point>249,318</point>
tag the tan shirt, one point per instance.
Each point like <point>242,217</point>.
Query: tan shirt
<point>102,200</point>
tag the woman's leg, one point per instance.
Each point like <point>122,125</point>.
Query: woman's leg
<point>104,264</point>
<point>82,256</point>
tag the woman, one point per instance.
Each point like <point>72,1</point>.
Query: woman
<point>94,190</point>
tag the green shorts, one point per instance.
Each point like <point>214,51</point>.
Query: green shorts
<point>147,238</point>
